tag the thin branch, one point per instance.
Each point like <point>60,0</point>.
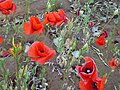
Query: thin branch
<point>99,55</point>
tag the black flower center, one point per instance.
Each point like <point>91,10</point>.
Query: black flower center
<point>42,51</point>
<point>88,70</point>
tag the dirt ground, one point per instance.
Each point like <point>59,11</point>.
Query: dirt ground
<point>54,80</point>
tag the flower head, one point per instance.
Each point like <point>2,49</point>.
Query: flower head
<point>55,18</point>
<point>34,27</point>
<point>104,33</point>
<point>1,40</point>
<point>93,85</point>
<point>88,70</point>
<point>113,63</point>
<point>101,41</point>
<point>6,6</point>
<point>118,32</point>
<point>4,53</point>
<point>91,24</point>
<point>40,53</point>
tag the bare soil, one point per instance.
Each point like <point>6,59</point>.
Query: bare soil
<point>54,80</point>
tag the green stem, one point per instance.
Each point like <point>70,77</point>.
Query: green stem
<point>68,67</point>
<point>4,76</point>
<point>47,33</point>
<point>27,4</point>
<point>43,74</point>
<point>17,70</point>
<point>107,23</point>
<point>110,42</point>
<point>17,66</point>
<point>99,55</point>
<point>25,67</point>
<point>109,73</point>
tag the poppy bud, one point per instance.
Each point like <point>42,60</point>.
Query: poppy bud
<point>1,40</point>
<point>77,13</point>
<point>91,24</point>
<point>118,32</point>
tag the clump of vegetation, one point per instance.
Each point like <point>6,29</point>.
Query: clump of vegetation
<point>81,48</point>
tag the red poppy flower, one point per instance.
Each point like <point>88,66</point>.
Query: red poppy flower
<point>91,24</point>
<point>100,83</point>
<point>6,6</point>
<point>89,85</point>
<point>55,18</point>
<point>1,40</point>
<point>104,33</point>
<point>101,41</point>
<point>93,85</point>
<point>118,32</point>
<point>40,53</point>
<point>4,53</point>
<point>113,63</point>
<point>88,70</point>
<point>34,27</point>
<point>77,13</point>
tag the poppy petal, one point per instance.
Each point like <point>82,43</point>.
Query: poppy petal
<point>36,24</point>
<point>1,40</point>
<point>82,86</point>
<point>52,23</point>
<point>59,23</point>
<point>57,16</point>
<point>78,68</point>
<point>7,4</point>
<point>28,28</point>
<point>51,17</point>
<point>40,52</point>
<point>92,74</point>
<point>101,41</point>
<point>104,33</point>
<point>4,54</point>
<point>88,59</point>
<point>13,8</point>
<point>33,50</point>
<point>102,83</point>
<point>45,21</point>
<point>41,30</point>
<point>113,63</point>
<point>6,12</point>
<point>46,59</point>
<point>61,12</point>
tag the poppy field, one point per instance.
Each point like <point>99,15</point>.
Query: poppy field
<point>59,45</point>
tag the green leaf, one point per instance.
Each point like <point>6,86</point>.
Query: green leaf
<point>91,1</point>
<point>48,6</point>
<point>84,31</point>
<point>78,28</point>
<point>85,48</point>
<point>2,60</point>
<point>85,20</point>
<point>23,71</point>
<point>70,25</point>
<point>73,46</point>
